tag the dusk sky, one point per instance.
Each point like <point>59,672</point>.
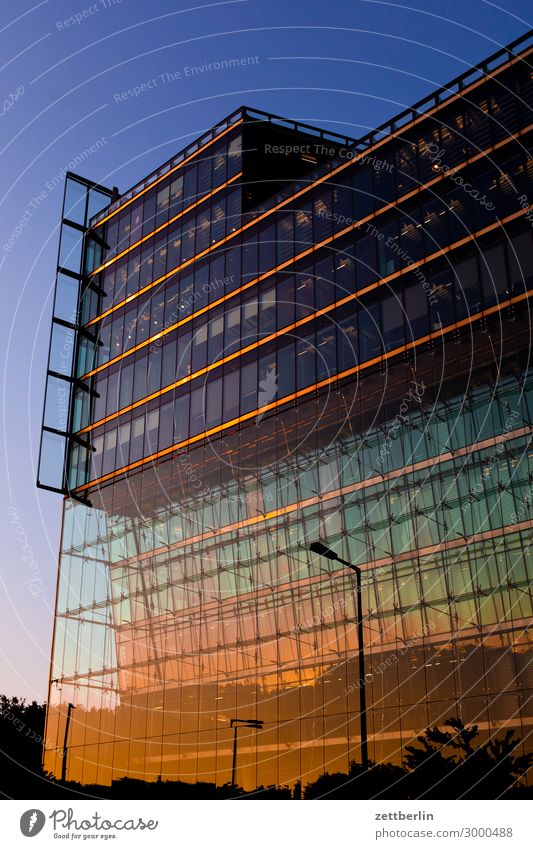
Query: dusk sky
<point>67,66</point>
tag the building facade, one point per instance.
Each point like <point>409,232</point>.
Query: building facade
<point>281,336</point>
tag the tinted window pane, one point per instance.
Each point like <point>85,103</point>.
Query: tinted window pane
<point>74,209</point>
<point>66,302</point>
<point>70,251</point>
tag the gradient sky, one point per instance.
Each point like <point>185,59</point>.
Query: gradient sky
<point>347,65</point>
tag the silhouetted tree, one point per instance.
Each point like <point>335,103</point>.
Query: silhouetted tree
<point>21,738</point>
<point>383,780</point>
<point>448,765</point>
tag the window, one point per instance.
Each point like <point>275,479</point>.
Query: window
<point>166,425</point>
<point>392,321</point>
<point>123,445</point>
<point>213,415</point>
<point>388,252</point>
<point>174,247</point>
<point>218,221</point>
<point>162,205</point>
<point>134,273</point>
<point>303,228</point>
<point>143,323</point>
<point>157,311</point>
<point>324,282</point>
<point>347,346</point>
<point>267,248</point>
<point>171,298</point>
<point>186,299</point>
<point>285,301</point>
<point>442,300</point>
<point>204,174</point>
<point>184,354</point>
<point>305,295</point>
<point>369,333</point>
<point>267,380</point>
<point>100,399</point>
<point>365,249</point>
<point>345,280</point>
<point>234,157</point>
<point>201,285</point>
<point>233,330</point>
<point>219,164</point>
<point>70,250</point>
<point>190,184</point>
<point>202,230</point>
<point>520,262</point>
<point>467,290</point>
<point>153,377</point>
<point>147,264</point>
<point>75,196</point>
<point>139,379</point>
<point>267,311</point>
<point>181,418</point>
<point>136,221</point>
<point>364,191</point>
<point>112,392</point>
<point>285,238</point>
<point>231,395</point>
<point>325,351</point>
<point>168,375</point>
<point>149,213</point>
<point>199,347</point>
<point>160,259</point>
<point>96,457</point>
<point>434,228</point>
<point>104,337</point>
<point>137,439</point>
<point>249,387</point>
<point>187,241</point>
<point>406,168</point>
<point>322,216</point>
<point>250,252</point>
<point>197,411</point>
<point>152,426</point>
<point>493,275</point>
<point>286,371</point>
<point>216,338</point>
<point>305,361</point>
<point>416,310</point>
<point>124,228</point>
<point>249,321</point>
<point>176,195</point>
<point>126,385</point>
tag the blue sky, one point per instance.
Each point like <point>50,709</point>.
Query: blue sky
<point>347,65</point>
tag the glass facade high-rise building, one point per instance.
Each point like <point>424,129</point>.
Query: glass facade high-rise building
<point>280,336</point>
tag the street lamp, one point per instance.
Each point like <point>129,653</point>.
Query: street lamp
<point>65,742</point>
<point>324,551</point>
<point>240,723</point>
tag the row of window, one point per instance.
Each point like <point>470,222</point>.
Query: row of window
<point>191,235</point>
<point>417,305</point>
<point>206,172</point>
<point>360,192</point>
<point>457,132</point>
<point>401,238</point>
<point>423,508</point>
<point>357,333</point>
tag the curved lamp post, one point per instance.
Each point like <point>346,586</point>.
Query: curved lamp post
<point>324,551</point>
